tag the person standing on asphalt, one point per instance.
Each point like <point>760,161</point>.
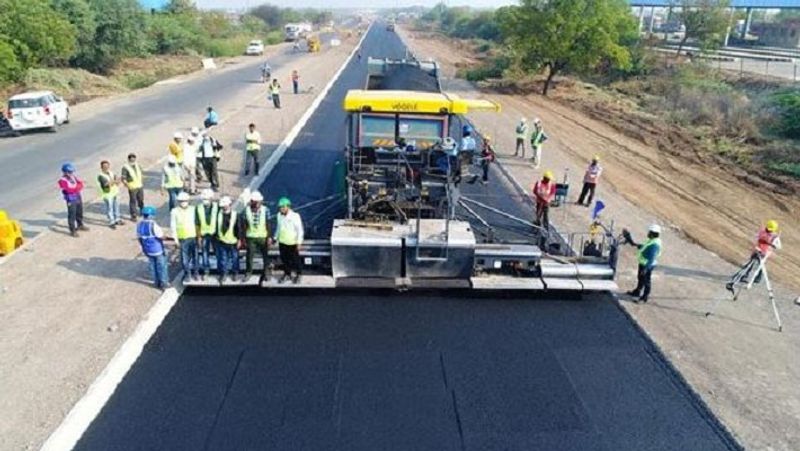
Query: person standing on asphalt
<point>275,93</point>
<point>71,187</point>
<point>487,157</point>
<point>209,157</point>
<point>544,191</point>
<point>184,231</point>
<point>108,184</point>
<point>206,222</point>
<point>228,238</point>
<point>647,255</point>
<point>538,137</point>
<point>212,118</point>
<point>190,162</point>
<point>255,222</point>
<point>252,146</point>
<point>172,180</point>
<point>176,147</point>
<point>198,141</point>
<point>590,178</point>
<point>151,238</point>
<point>522,133</point>
<point>133,179</point>
<point>295,81</point>
<point>289,235</point>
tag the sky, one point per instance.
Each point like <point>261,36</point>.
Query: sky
<point>347,3</point>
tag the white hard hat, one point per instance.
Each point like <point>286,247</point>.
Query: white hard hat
<point>524,119</point>
<point>225,202</point>
<point>183,196</point>
<point>178,135</point>
<point>190,138</point>
<point>449,143</point>
<point>537,120</point>
<point>207,194</point>
<point>171,159</point>
<point>655,228</point>
<point>257,197</point>
<point>195,131</point>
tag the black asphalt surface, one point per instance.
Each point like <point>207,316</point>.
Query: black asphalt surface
<point>251,370</point>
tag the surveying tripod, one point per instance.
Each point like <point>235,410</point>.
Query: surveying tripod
<point>744,279</point>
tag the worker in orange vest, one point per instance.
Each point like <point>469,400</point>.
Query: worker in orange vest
<point>590,178</point>
<point>544,191</point>
<point>767,241</point>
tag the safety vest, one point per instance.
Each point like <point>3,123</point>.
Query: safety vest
<point>173,175</point>
<point>259,230</point>
<point>592,173</point>
<point>135,172</point>
<point>226,236</point>
<point>208,228</point>
<point>252,141</point>
<point>151,245</point>
<point>274,89</point>
<point>538,137</point>
<point>650,242</point>
<point>287,233</point>
<point>184,223</point>
<point>522,130</point>
<point>764,242</point>
<point>113,189</point>
<point>544,192</point>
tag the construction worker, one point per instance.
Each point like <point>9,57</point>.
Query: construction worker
<point>289,235</point>
<point>176,147</point>
<point>275,93</point>
<point>487,158</point>
<point>544,191</point>
<point>295,81</point>
<point>252,146</point>
<point>647,255</point>
<point>212,118</point>
<point>151,238</point>
<point>206,221</point>
<point>538,137</point>
<point>198,141</point>
<point>209,158</point>
<point>172,180</point>
<point>255,222</point>
<point>133,179</point>
<point>590,178</point>
<point>184,231</point>
<point>190,162</point>
<point>71,187</point>
<point>108,184</point>
<point>522,133</point>
<point>227,239</point>
<point>767,241</point>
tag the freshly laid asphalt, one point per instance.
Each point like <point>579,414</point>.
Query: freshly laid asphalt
<point>250,369</point>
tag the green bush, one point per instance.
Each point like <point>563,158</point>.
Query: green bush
<point>217,48</point>
<point>791,169</point>
<point>786,106</point>
<point>493,68</point>
<point>10,68</point>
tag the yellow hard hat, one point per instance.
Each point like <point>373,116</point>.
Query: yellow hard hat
<point>548,175</point>
<point>772,225</point>
<point>487,138</point>
<point>596,158</point>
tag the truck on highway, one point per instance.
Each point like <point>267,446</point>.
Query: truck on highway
<point>295,31</point>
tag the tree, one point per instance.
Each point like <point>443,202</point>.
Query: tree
<point>37,33</point>
<point>120,32</point>
<point>574,35</point>
<point>81,16</point>
<point>181,7</point>
<point>10,68</point>
<point>706,22</point>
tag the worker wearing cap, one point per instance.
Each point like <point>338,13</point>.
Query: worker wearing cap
<point>184,231</point>
<point>133,179</point>
<point>212,118</point>
<point>647,256</point>
<point>590,178</point>
<point>544,191</point>
<point>108,185</point>
<point>151,238</point>
<point>255,222</point>
<point>227,239</point>
<point>538,137</point>
<point>289,235</point>
<point>767,241</point>
<point>190,162</point>
<point>252,146</point>
<point>522,133</point>
<point>176,147</point>
<point>172,180</point>
<point>71,187</point>
<point>206,214</point>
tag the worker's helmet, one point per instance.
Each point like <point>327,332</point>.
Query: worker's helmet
<point>548,175</point>
<point>172,160</point>
<point>772,225</point>
<point>487,137</point>
<point>148,211</point>
<point>596,158</point>
<point>524,120</point>
<point>449,143</point>
<point>284,202</point>
<point>537,121</point>
<point>225,202</point>
<point>68,168</point>
<point>190,138</point>
<point>655,228</point>
<point>207,194</point>
<point>183,196</point>
<point>178,135</point>
<point>195,131</point>
<point>256,197</point>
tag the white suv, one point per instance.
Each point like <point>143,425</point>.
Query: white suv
<point>256,47</point>
<point>40,109</point>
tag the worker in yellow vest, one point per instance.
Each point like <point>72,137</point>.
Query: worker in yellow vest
<point>228,239</point>
<point>255,221</point>
<point>108,185</point>
<point>133,179</point>
<point>206,222</point>
<point>275,93</point>
<point>289,235</point>
<point>172,180</point>
<point>252,146</point>
<point>184,231</point>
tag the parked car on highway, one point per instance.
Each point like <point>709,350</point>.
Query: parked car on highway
<point>38,109</point>
<point>255,47</point>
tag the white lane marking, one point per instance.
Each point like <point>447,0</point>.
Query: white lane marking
<point>66,436</point>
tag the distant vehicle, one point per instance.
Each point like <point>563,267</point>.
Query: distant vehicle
<point>390,26</point>
<point>39,109</point>
<point>295,31</point>
<point>255,47</point>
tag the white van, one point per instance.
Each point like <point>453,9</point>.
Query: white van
<point>39,109</point>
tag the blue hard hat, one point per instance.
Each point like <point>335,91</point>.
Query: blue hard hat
<point>67,167</point>
<point>148,211</point>
<point>467,129</point>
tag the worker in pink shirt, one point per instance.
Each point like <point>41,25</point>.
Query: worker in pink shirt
<point>544,191</point>
<point>590,178</point>
<point>71,187</point>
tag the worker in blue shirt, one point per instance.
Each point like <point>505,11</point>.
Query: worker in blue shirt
<point>647,255</point>
<point>211,119</point>
<point>151,238</point>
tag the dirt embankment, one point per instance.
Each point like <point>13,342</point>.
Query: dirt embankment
<point>654,165</point>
